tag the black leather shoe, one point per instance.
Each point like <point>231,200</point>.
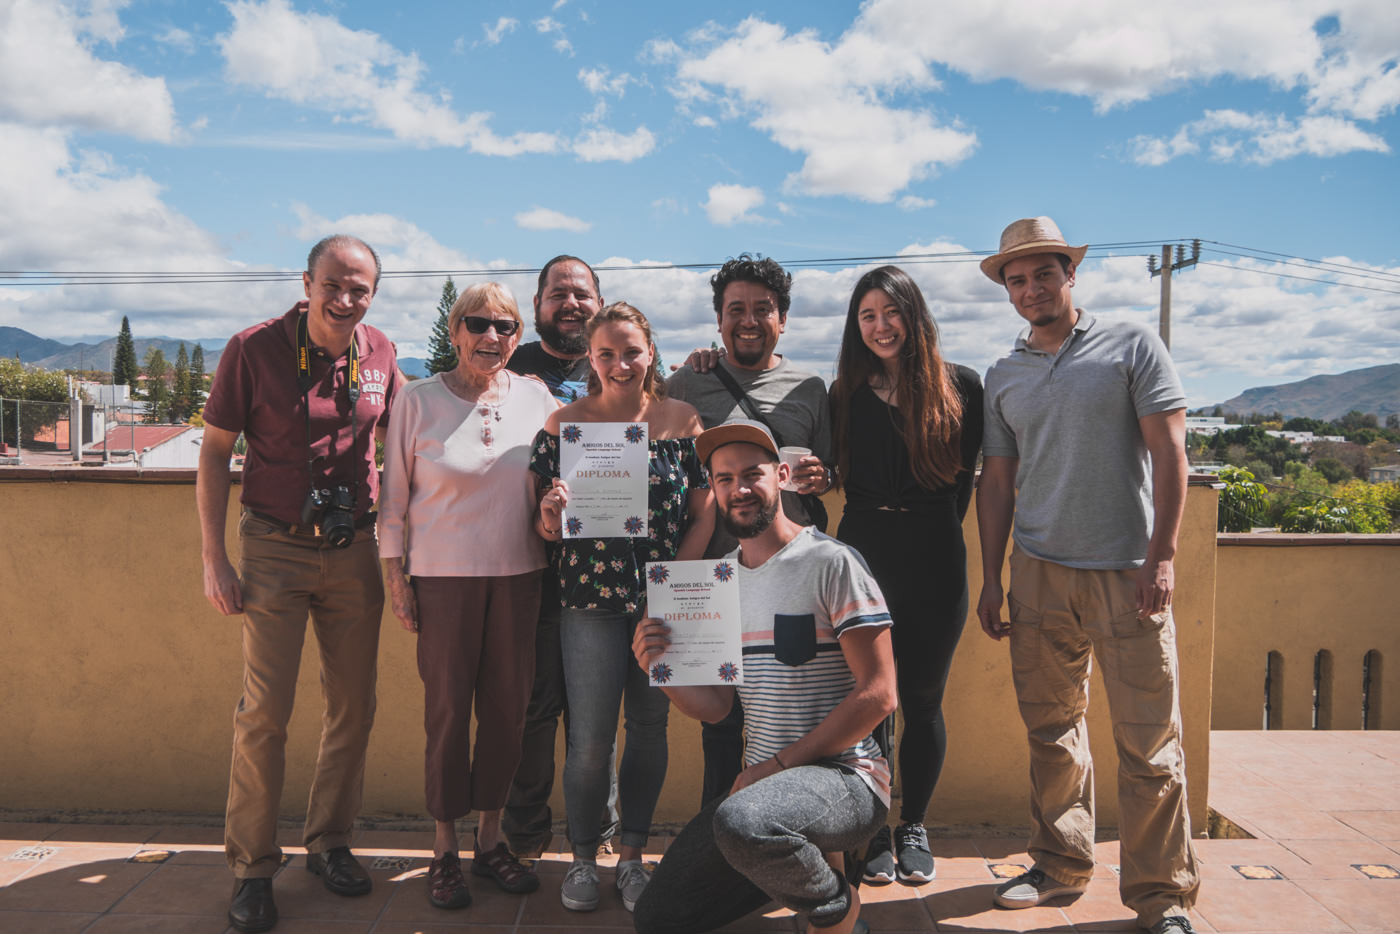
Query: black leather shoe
<point>252,909</point>
<point>340,871</point>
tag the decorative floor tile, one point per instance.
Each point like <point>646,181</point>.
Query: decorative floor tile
<point>1377,870</point>
<point>1258,873</point>
<point>31,854</point>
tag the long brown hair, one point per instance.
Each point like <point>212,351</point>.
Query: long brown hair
<point>924,390</point>
<point>623,313</point>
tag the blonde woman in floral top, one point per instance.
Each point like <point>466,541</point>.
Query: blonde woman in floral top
<point>603,594</point>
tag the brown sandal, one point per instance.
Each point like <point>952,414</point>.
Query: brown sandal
<point>446,886</point>
<point>509,873</point>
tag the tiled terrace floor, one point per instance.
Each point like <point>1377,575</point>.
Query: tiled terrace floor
<point>1318,805</point>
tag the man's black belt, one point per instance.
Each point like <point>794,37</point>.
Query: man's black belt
<point>296,528</point>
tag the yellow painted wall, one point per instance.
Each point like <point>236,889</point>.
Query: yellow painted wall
<point>1281,594</point>
<point>118,681</point>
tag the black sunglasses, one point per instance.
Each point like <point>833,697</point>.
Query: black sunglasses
<point>505,327</point>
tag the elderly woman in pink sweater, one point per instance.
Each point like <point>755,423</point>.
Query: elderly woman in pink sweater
<point>463,567</point>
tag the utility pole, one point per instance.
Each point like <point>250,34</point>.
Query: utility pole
<point>1164,314</point>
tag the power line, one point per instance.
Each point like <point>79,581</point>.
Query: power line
<point>1281,275</point>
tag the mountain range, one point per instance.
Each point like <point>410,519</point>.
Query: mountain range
<point>55,355</point>
<point>1375,389</point>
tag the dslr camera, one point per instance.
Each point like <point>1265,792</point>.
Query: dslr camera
<point>332,510</point>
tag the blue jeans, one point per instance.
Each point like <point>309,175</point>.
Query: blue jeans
<point>600,675</point>
<point>764,842</point>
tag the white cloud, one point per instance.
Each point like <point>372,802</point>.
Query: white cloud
<point>602,81</point>
<point>177,38</point>
<point>503,27</point>
<point>51,76</point>
<point>538,218</point>
<point>915,203</point>
<point>1234,136</point>
<point>827,102</point>
<point>600,144</point>
<point>547,24</point>
<point>704,121</point>
<point>857,107</point>
<point>316,61</point>
<point>728,205</point>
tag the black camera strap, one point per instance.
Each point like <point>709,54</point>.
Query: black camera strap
<point>305,382</point>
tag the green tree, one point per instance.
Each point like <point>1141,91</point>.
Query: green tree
<point>157,394</point>
<point>1241,501</point>
<point>39,397</point>
<point>442,356</point>
<point>181,397</point>
<point>1392,421</point>
<point>124,369</point>
<point>197,379</point>
<point>1331,468</point>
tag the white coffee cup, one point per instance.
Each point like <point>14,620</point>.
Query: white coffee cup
<point>790,456</point>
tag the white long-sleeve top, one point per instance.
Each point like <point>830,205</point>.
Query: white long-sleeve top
<point>452,503</point>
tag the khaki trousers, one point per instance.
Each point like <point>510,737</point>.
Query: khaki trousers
<point>285,578</point>
<point>1059,615</point>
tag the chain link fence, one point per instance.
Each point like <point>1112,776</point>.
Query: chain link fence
<point>45,430</point>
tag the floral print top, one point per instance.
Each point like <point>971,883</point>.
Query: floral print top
<point>606,573</point>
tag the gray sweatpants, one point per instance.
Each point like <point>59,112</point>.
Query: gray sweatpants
<point>764,843</point>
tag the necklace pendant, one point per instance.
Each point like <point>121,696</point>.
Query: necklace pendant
<point>486,435</point>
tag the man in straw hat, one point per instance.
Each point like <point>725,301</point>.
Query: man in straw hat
<point>1074,415</point>
<point>817,677</point>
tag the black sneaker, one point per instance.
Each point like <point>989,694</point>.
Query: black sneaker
<point>1173,924</point>
<point>879,860</point>
<point>913,861</point>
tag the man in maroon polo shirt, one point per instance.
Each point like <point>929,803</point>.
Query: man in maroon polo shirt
<point>310,392</point>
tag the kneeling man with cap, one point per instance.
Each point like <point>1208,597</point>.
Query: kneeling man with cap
<point>818,678</point>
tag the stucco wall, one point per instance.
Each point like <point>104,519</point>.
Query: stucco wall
<point>118,681</point>
<point>1297,595</point>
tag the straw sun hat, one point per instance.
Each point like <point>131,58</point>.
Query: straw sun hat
<point>1028,236</point>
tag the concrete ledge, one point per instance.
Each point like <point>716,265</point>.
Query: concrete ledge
<point>1282,539</point>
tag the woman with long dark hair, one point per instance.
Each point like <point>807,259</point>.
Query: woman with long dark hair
<point>907,427</point>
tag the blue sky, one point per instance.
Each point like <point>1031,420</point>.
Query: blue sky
<point>193,137</point>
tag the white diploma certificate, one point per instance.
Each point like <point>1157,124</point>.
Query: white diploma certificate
<point>605,465</point>
<point>699,600</point>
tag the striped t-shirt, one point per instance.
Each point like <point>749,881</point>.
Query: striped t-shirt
<point>795,608</point>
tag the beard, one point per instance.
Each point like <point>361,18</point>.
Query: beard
<point>763,518</point>
<point>570,345</point>
<point>747,357</point>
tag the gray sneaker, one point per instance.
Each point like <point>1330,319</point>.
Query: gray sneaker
<point>580,889</point>
<point>1173,924</point>
<point>632,879</point>
<point>1031,888</point>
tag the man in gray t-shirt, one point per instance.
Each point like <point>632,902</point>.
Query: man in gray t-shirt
<point>751,299</point>
<point>1084,445</point>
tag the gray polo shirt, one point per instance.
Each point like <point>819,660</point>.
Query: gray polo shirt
<point>1083,485</point>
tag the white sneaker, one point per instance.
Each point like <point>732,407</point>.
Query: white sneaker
<point>1031,888</point>
<point>580,889</point>
<point>632,879</point>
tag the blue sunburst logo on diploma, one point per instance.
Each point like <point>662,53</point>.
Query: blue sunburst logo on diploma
<point>661,673</point>
<point>574,524</point>
<point>728,672</point>
<point>724,571</point>
<point>571,433</point>
<point>633,525</point>
<point>658,573</point>
<point>633,433</point>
